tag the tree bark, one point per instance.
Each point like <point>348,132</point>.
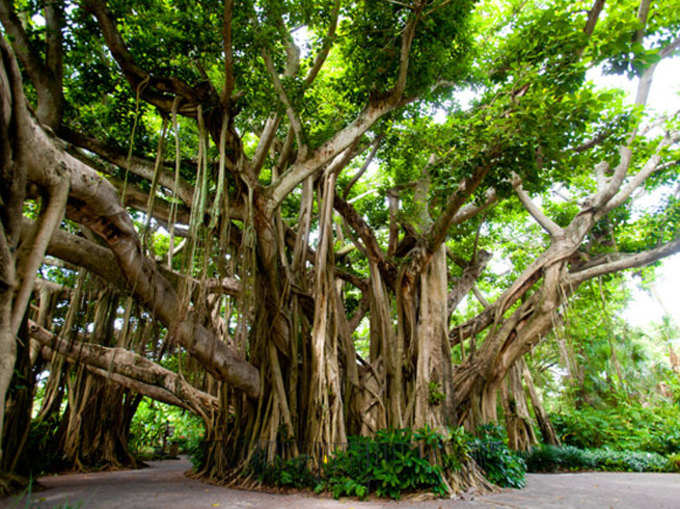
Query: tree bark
<point>518,422</point>
<point>544,424</point>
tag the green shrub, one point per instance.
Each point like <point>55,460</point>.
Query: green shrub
<point>393,462</point>
<point>390,463</point>
<point>548,458</point>
<point>293,473</point>
<point>42,447</point>
<point>196,449</point>
<point>153,421</point>
<point>501,465</point>
<point>674,463</point>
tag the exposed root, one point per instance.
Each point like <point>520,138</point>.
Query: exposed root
<point>11,484</point>
<point>469,478</point>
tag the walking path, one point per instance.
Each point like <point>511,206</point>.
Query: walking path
<point>164,486</point>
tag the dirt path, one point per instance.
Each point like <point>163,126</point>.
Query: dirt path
<point>163,486</point>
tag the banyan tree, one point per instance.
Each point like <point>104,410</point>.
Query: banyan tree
<point>294,201</point>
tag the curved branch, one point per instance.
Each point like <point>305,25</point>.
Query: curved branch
<point>373,250</point>
<point>138,166</point>
<point>624,261</point>
<point>437,232</point>
<point>298,172</point>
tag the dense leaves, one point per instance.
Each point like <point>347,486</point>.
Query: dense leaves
<point>501,465</point>
<point>548,458</point>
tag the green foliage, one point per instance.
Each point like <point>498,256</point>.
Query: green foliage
<point>436,396</point>
<point>674,462</point>
<point>626,426</point>
<point>293,472</point>
<point>42,447</point>
<point>549,458</point>
<point>501,465</point>
<point>389,463</point>
<point>153,420</point>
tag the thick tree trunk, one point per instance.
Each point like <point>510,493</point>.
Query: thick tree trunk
<point>518,422</point>
<point>12,192</point>
<point>18,409</point>
<point>433,377</point>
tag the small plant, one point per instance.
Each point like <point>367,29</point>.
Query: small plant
<point>628,426</point>
<point>293,472</point>
<point>436,396</point>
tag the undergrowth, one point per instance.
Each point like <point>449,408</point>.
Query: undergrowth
<point>549,458</point>
<point>502,466</point>
<point>394,462</point>
<point>628,426</point>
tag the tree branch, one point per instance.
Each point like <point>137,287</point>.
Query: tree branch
<point>106,361</point>
<point>138,166</point>
<point>626,261</point>
<point>297,173</point>
<point>364,167</point>
<point>437,232</point>
<point>471,210</point>
<point>637,180</point>
<point>593,16</point>
<point>325,48</point>
<point>546,223</point>
<point>373,250</point>
<point>135,75</point>
<point>291,113</point>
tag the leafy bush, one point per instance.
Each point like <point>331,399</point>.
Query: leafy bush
<point>42,447</point>
<point>501,465</point>
<point>548,458</point>
<point>388,464</point>
<point>393,462</point>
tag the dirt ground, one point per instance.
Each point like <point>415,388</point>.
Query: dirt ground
<point>164,486</point>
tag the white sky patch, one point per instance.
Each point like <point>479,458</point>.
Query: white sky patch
<point>664,96</point>
<point>302,37</point>
<point>645,310</point>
